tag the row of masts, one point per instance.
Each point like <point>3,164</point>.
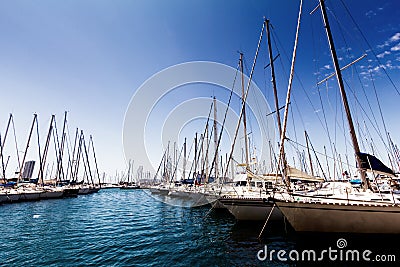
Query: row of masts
<point>281,162</point>
<point>68,163</point>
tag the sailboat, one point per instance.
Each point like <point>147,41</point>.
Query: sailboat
<point>130,184</point>
<point>249,200</point>
<point>343,209</point>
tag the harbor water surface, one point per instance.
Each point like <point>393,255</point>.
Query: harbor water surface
<point>130,228</point>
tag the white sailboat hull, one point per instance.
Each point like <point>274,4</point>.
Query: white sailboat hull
<point>346,218</point>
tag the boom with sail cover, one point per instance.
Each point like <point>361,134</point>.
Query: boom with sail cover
<point>372,163</point>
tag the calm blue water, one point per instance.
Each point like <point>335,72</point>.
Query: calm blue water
<point>129,228</point>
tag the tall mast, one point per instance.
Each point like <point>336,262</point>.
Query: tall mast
<point>245,96</point>
<point>343,93</point>
<point>206,160</point>
<point>95,160</point>
<point>27,146</point>
<point>215,138</point>
<point>78,157</point>
<point>2,142</point>
<point>46,148</point>
<point>87,159</point>
<point>2,162</point>
<point>271,60</point>
<point>309,154</point>
<point>61,148</point>
<point>246,144</point>
<point>288,95</point>
<point>184,159</point>
<point>73,161</point>
<point>195,157</point>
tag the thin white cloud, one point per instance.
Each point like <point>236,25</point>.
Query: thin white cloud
<point>383,54</point>
<point>383,45</point>
<point>328,67</point>
<point>370,14</point>
<point>395,48</point>
<point>395,37</point>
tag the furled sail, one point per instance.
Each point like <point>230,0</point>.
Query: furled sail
<point>297,174</point>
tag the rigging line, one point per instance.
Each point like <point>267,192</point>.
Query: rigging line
<point>194,159</point>
<point>317,152</point>
<point>337,125</point>
<point>355,69</point>
<point>315,155</point>
<point>366,115</point>
<point>15,139</point>
<point>223,123</point>
<point>204,133</point>
<point>359,130</point>
<point>287,77</point>
<point>55,151</point>
<point>60,172</point>
<point>336,116</point>
<point>190,152</point>
<point>316,67</point>
<point>69,145</point>
<point>208,142</point>
<point>336,131</point>
<point>244,98</point>
<point>200,148</point>
<point>176,165</point>
<point>38,141</point>
<point>368,136</point>
<point>298,79</point>
<point>159,166</point>
<point>2,143</point>
<point>326,123</point>
<point>281,158</point>
<point>347,142</point>
<point>370,47</point>
<point>69,158</point>
<point>381,113</point>
<point>258,109</point>
<point>344,29</point>
<point>330,105</point>
<point>3,173</point>
<point>294,125</point>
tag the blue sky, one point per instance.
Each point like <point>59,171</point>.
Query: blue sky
<point>88,57</point>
